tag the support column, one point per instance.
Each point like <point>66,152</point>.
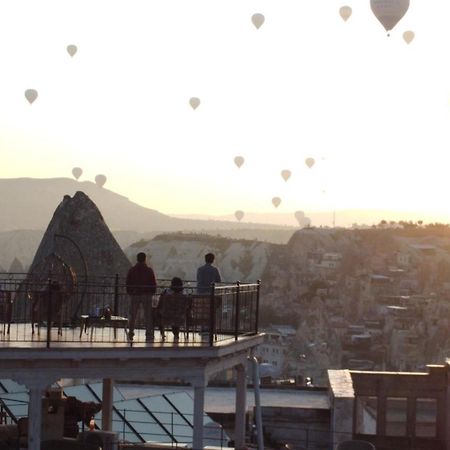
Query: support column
<point>199,408</point>
<point>241,406</point>
<point>36,388</point>
<point>258,414</point>
<point>107,404</point>
<point>35,417</point>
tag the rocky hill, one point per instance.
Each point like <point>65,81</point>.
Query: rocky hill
<point>180,254</point>
<point>28,204</point>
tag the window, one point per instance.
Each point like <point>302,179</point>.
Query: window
<point>366,415</point>
<point>426,414</point>
<point>396,416</point>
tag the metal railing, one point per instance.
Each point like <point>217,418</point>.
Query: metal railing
<point>43,309</point>
<point>175,428</point>
<point>137,426</point>
<point>165,427</point>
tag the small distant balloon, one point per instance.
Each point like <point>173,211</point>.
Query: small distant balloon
<point>302,220</point>
<point>309,162</point>
<point>286,174</point>
<point>276,201</point>
<point>239,215</point>
<point>76,172</point>
<point>31,95</point>
<point>194,102</point>
<point>71,50</point>
<point>100,180</point>
<point>389,12</point>
<point>345,12</point>
<point>239,160</point>
<point>408,36</point>
<point>258,20</point>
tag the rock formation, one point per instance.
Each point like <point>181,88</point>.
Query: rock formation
<point>78,234</point>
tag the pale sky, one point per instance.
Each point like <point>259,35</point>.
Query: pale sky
<point>373,111</point>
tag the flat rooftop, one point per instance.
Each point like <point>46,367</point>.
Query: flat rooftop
<point>222,399</point>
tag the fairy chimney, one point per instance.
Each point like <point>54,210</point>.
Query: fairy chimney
<point>78,234</point>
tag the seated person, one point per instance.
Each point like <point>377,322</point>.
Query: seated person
<point>172,307</point>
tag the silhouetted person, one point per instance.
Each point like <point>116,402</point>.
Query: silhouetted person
<point>207,274</point>
<point>141,286</point>
<point>173,306</point>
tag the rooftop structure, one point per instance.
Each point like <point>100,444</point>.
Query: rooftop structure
<point>392,409</point>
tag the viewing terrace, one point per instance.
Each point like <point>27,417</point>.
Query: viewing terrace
<point>53,328</point>
<point>43,311</point>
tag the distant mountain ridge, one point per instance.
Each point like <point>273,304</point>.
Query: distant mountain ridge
<point>29,203</point>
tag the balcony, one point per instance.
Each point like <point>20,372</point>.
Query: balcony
<point>50,330</point>
<point>43,312</point>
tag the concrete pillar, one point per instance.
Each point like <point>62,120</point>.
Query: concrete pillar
<point>241,406</point>
<point>36,388</point>
<point>35,417</point>
<point>447,428</point>
<point>342,399</point>
<point>199,407</point>
<point>107,404</point>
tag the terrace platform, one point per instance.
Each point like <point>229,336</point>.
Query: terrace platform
<point>64,350</point>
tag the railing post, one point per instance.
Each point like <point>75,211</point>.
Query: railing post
<point>238,309</point>
<point>116,295</point>
<point>49,312</point>
<point>124,421</point>
<point>258,289</point>
<point>171,427</point>
<point>212,314</point>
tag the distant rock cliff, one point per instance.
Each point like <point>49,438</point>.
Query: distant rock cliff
<point>181,254</point>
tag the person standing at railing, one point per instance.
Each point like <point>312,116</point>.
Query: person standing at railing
<point>207,274</point>
<point>141,286</point>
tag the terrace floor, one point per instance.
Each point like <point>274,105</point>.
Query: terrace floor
<point>21,336</point>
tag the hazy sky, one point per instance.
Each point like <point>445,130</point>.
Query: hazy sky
<point>372,111</point>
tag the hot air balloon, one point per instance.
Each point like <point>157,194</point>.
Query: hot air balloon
<point>276,201</point>
<point>389,12</point>
<point>302,220</point>
<point>258,20</point>
<point>299,215</point>
<point>194,102</point>
<point>71,50</point>
<point>309,162</point>
<point>345,12</point>
<point>285,174</point>
<point>31,95</point>
<point>239,160</point>
<point>76,172</point>
<point>100,180</point>
<point>408,36</point>
<point>239,215</point>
